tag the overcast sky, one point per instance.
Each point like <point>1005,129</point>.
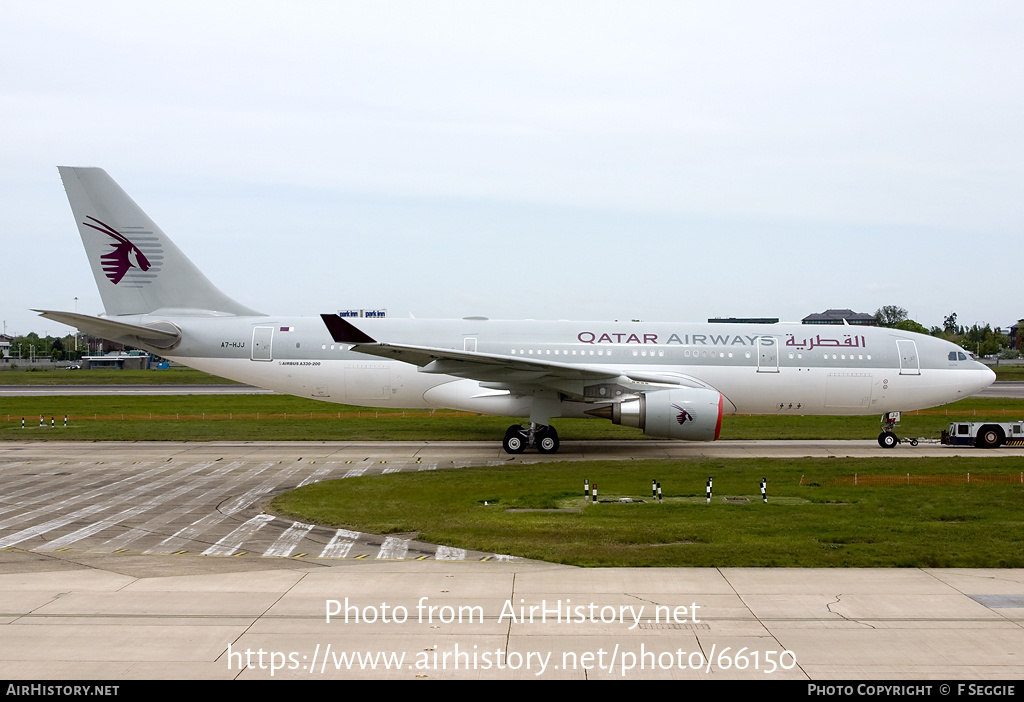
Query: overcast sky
<point>668,161</point>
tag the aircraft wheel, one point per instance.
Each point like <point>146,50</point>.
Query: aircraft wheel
<point>547,440</point>
<point>515,439</point>
<point>887,439</point>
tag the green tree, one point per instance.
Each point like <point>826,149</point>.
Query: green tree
<point>949,323</point>
<point>982,340</point>
<point>910,325</point>
<point>890,315</point>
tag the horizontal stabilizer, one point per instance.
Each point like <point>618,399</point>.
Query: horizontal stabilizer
<point>163,337</point>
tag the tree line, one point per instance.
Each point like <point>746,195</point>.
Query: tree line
<point>979,340</point>
<point>57,348</point>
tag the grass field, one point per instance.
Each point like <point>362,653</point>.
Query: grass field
<point>170,376</point>
<point>283,418</point>
<point>1008,373</point>
<point>540,512</point>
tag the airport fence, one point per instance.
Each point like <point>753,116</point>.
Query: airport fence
<point>963,413</point>
<point>423,414</point>
<point>858,480</point>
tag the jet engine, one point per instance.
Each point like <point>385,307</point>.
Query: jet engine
<point>691,414</point>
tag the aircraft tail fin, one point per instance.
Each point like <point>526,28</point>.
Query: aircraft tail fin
<point>137,268</point>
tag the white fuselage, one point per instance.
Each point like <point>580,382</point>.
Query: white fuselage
<point>780,368</point>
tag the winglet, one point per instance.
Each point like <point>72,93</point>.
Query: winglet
<point>343,332</point>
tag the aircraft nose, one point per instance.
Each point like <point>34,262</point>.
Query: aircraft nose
<point>982,377</point>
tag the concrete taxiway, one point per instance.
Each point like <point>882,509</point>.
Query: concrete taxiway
<point>157,560</point>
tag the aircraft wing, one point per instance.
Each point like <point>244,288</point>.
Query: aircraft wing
<point>514,372</point>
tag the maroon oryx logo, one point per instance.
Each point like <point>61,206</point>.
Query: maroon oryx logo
<point>683,415</point>
<point>125,255</point>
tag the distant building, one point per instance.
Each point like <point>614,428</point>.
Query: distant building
<point>839,317</point>
<point>117,361</point>
<point>364,313</point>
<point>744,320</point>
<point>97,346</point>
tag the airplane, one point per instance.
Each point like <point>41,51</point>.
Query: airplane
<point>670,380</point>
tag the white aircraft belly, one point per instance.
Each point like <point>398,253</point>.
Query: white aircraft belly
<point>467,395</point>
<point>369,383</point>
<point>845,391</point>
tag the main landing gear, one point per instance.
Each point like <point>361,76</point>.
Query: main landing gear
<point>888,439</point>
<point>544,437</point>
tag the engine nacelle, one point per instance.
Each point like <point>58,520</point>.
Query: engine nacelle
<point>692,414</point>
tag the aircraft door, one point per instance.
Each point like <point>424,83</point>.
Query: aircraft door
<point>262,340</point>
<point>909,364</point>
<point>767,354</point>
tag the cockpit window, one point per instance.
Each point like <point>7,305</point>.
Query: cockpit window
<point>961,356</point>
<point>952,355</point>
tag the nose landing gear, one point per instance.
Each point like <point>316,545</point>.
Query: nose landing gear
<point>888,439</point>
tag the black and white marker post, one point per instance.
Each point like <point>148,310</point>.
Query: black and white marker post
<point>764,490</point>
